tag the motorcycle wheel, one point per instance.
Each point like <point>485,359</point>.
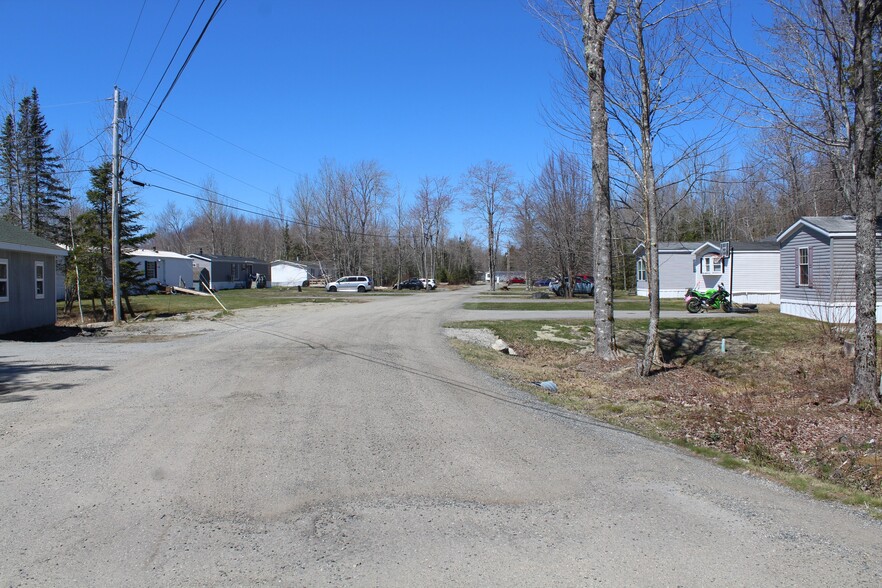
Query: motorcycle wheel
<point>727,307</point>
<point>694,306</point>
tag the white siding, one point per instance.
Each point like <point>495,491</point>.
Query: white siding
<point>170,271</point>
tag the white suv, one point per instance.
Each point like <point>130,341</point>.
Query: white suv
<point>351,284</point>
<point>428,284</point>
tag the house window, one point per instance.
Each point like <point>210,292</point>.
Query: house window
<point>4,280</point>
<point>712,264</point>
<point>39,280</point>
<point>150,270</point>
<point>235,270</point>
<point>641,270</point>
<point>804,267</point>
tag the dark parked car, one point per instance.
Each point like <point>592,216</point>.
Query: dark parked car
<point>581,285</point>
<point>542,282</point>
<point>411,284</point>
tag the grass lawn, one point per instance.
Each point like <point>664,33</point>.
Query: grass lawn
<point>770,405</point>
<point>169,304</point>
<point>581,303</point>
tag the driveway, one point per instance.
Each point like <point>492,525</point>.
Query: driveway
<point>349,445</point>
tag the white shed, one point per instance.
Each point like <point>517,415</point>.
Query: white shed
<point>288,274</point>
<point>163,267</point>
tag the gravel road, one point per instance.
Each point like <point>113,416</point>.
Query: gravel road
<point>349,445</point>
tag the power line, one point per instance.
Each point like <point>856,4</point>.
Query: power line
<point>240,209</point>
<point>211,167</point>
<point>228,142</point>
<point>183,181</point>
<point>170,62</point>
<point>180,72</point>
<point>158,43</point>
<point>132,38</point>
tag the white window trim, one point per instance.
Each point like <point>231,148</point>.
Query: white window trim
<point>37,280</point>
<point>799,265</point>
<point>5,262</point>
<point>641,270</point>
<point>709,264</point>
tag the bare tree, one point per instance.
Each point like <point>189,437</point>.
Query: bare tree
<point>818,81</point>
<point>563,214</point>
<point>594,36</point>
<point>488,191</point>
<point>214,216</point>
<point>171,228</point>
<point>652,97</point>
<point>370,190</point>
<point>526,231</point>
<point>429,214</point>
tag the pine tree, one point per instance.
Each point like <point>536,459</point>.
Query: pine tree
<point>94,249</point>
<point>10,171</point>
<point>33,197</point>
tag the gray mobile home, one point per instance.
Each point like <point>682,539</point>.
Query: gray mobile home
<point>676,268</point>
<point>27,279</point>
<point>750,272</point>
<point>817,268</point>
<point>224,272</point>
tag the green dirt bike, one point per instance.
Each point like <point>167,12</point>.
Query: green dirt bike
<point>715,298</point>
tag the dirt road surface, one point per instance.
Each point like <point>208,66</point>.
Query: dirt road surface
<point>349,445</point>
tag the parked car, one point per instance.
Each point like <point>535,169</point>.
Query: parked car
<point>430,283</point>
<point>542,282</point>
<point>409,284</point>
<point>517,280</point>
<point>351,284</point>
<point>581,285</point>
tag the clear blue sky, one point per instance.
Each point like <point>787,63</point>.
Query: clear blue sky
<point>425,88</point>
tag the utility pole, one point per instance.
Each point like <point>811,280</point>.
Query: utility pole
<point>115,187</point>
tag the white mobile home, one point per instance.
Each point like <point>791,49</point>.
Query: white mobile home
<point>163,267</point>
<point>751,272</point>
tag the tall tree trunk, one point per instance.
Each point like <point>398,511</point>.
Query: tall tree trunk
<point>863,156</point>
<point>594,34</point>
<point>651,351</point>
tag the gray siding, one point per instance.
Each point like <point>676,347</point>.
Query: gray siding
<point>675,271</point>
<point>821,275</point>
<point>24,310</point>
<point>843,268</point>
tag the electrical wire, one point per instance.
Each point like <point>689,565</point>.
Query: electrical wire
<point>195,185</point>
<point>211,167</point>
<point>132,38</point>
<point>217,8</point>
<point>270,216</point>
<point>158,43</point>
<point>170,62</point>
<point>228,142</point>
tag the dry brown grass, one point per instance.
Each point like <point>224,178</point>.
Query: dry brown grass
<point>780,409</point>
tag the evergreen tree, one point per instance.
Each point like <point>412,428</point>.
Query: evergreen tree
<point>10,174</point>
<point>94,247</point>
<point>33,197</point>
